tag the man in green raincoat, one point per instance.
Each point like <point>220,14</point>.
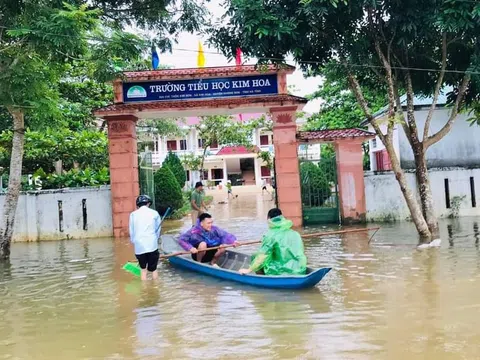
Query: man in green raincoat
<point>281,252</point>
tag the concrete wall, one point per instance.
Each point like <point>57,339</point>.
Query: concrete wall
<point>385,201</point>
<point>37,216</point>
<point>233,166</point>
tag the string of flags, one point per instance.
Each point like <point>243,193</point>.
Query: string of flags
<point>200,57</point>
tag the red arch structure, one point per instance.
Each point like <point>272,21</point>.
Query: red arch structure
<point>193,92</point>
<point>173,93</point>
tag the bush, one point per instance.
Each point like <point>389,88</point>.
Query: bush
<point>168,193</point>
<point>175,165</point>
<point>315,185</point>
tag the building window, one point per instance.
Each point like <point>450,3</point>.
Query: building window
<point>172,145</point>
<point>265,171</point>
<point>263,140</point>
<point>374,143</point>
<point>200,143</point>
<point>214,145</point>
<point>383,161</point>
<point>188,175</point>
<point>183,144</point>
<point>205,174</point>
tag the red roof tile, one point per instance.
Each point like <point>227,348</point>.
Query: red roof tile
<point>237,150</point>
<point>132,108</point>
<point>331,135</point>
<point>206,71</point>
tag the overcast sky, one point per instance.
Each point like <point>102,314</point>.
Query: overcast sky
<point>187,41</point>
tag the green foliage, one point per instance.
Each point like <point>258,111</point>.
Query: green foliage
<point>315,184</point>
<point>328,168</point>
<point>223,130</point>
<point>167,190</point>
<point>192,162</point>
<point>346,37</point>
<point>267,158</point>
<point>175,165</point>
<point>340,109</point>
<point>88,148</point>
<point>69,179</point>
<point>148,130</point>
<point>80,94</point>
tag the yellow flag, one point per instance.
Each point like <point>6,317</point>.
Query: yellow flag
<point>201,56</point>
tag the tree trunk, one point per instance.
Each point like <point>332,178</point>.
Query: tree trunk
<point>203,161</point>
<point>14,183</point>
<point>425,191</point>
<point>410,198</point>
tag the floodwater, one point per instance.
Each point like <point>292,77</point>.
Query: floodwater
<point>383,300</point>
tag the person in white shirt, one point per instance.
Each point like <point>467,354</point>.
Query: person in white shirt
<point>145,226</point>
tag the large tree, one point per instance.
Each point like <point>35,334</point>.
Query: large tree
<point>400,44</point>
<point>41,40</point>
<point>339,108</point>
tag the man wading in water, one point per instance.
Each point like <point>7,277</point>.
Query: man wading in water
<point>197,203</point>
<point>145,226</point>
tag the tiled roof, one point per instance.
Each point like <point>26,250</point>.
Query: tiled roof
<point>206,71</point>
<point>237,150</point>
<point>132,108</point>
<point>331,135</point>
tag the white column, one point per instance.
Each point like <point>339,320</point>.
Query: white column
<point>190,140</point>
<point>373,160</point>
<point>258,171</point>
<point>254,138</point>
<point>225,175</point>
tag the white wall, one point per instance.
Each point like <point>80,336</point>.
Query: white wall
<point>385,201</point>
<point>37,216</point>
<point>233,166</point>
<point>460,147</point>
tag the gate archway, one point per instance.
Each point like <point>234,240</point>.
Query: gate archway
<point>350,186</point>
<point>200,92</point>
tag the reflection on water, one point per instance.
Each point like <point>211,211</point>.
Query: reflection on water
<point>386,300</point>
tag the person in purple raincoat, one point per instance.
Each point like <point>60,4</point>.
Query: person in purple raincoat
<point>205,235</point>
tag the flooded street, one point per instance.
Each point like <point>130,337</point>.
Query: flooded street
<point>383,300</point>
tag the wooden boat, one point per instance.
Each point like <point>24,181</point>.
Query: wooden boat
<point>232,261</point>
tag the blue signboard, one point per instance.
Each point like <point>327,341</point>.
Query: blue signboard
<point>197,89</point>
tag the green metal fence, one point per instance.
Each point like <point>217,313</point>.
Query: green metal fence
<point>318,179</point>
<point>145,175</point>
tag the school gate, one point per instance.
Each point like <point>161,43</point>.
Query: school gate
<point>174,93</point>
<point>332,188</point>
<point>318,180</point>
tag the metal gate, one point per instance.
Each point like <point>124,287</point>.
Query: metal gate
<point>318,179</point>
<point>145,175</point>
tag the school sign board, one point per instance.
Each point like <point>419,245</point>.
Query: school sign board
<point>197,89</point>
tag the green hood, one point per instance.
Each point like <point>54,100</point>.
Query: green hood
<point>279,223</point>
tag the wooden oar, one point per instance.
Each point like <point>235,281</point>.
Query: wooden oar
<point>259,241</point>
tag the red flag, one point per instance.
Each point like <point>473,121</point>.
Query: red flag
<point>238,58</point>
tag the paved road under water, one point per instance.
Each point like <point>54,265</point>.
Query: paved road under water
<point>71,300</point>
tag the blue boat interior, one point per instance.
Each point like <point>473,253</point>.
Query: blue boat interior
<point>231,260</point>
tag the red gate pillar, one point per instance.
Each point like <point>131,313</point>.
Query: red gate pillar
<point>286,163</point>
<point>350,180</point>
<point>122,148</point>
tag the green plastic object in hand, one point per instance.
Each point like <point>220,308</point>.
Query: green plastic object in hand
<point>132,268</point>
